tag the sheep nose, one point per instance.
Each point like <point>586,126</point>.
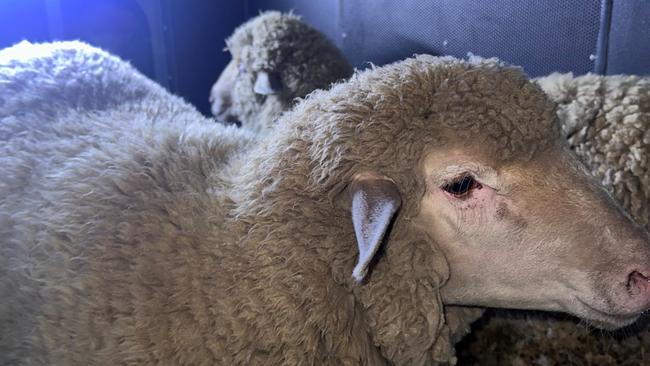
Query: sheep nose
<point>220,104</point>
<point>638,287</point>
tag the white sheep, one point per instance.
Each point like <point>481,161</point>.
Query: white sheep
<point>276,59</point>
<point>357,233</point>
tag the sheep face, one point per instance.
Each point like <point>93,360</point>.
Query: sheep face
<point>485,178</point>
<point>241,95</point>
<point>435,182</point>
<point>277,58</point>
<point>221,95</point>
<point>534,235</point>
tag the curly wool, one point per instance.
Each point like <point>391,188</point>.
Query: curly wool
<point>381,120</point>
<point>184,244</point>
<point>282,43</point>
<point>606,120</point>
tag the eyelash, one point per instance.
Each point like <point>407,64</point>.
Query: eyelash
<point>462,186</point>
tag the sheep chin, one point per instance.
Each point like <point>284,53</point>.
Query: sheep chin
<point>604,320</point>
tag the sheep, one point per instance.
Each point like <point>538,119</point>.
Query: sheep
<point>606,120</point>
<point>362,231</point>
<point>276,59</point>
<point>58,102</point>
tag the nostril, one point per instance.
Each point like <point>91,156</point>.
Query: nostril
<point>637,283</point>
<point>220,105</point>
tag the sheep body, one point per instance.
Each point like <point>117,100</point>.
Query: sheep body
<point>77,121</point>
<point>130,237</point>
<point>300,57</point>
<point>157,216</point>
<point>606,120</point>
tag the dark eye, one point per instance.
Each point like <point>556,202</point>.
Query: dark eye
<point>241,69</point>
<point>462,186</point>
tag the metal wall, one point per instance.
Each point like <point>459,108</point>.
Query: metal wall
<point>628,50</point>
<point>604,36</point>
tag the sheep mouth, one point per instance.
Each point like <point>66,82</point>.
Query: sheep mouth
<point>604,319</point>
<point>229,119</point>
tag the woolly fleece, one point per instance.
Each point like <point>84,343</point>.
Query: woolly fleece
<point>302,56</point>
<point>140,238</point>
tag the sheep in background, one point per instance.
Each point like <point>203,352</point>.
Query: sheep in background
<point>343,238</point>
<point>606,120</point>
<point>276,58</point>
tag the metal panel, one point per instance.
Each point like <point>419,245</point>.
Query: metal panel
<point>629,38</point>
<point>118,26</point>
<point>541,36</point>
<point>23,19</point>
<point>196,30</point>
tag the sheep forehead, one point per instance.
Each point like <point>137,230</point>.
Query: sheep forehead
<point>265,34</point>
<point>477,102</point>
<point>387,117</point>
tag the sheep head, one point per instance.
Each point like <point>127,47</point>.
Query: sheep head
<point>520,222</point>
<point>455,188</point>
<point>276,58</point>
<point>539,234</point>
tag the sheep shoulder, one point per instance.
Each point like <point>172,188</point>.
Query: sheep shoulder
<point>104,221</point>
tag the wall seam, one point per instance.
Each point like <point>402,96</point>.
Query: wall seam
<point>600,66</point>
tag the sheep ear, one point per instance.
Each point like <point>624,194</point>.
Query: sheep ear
<point>267,83</point>
<point>374,201</point>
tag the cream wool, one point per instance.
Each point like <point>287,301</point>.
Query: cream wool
<point>51,78</point>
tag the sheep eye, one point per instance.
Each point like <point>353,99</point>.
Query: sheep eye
<point>462,186</point>
<point>241,69</point>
